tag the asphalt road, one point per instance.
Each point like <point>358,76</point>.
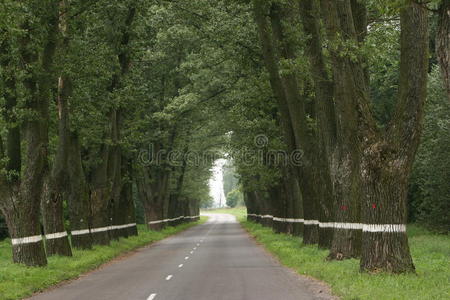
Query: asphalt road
<point>215,260</point>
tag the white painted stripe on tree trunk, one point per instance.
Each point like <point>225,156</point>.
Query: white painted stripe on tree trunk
<point>384,228</point>
<point>26,240</point>
<point>337,225</point>
<point>311,222</point>
<point>114,227</point>
<point>327,224</point>
<point>295,220</point>
<point>80,232</point>
<point>353,226</point>
<point>267,217</point>
<point>156,222</point>
<point>288,220</point>
<point>100,229</point>
<point>57,235</point>
<point>151,297</point>
<point>350,226</point>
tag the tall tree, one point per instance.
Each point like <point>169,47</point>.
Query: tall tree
<point>382,157</point>
<point>21,188</point>
<point>56,179</point>
<point>286,92</point>
<point>443,43</point>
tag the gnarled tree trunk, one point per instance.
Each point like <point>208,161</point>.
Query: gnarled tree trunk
<point>387,160</point>
<point>20,190</point>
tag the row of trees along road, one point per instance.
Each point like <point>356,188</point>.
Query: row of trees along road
<point>96,94</point>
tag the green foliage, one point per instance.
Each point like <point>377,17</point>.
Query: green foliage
<point>235,198</point>
<point>230,177</point>
<point>382,49</point>
<point>431,177</point>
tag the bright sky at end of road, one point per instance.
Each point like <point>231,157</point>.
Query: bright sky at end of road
<point>216,184</point>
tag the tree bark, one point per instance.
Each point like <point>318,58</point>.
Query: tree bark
<point>325,115</point>
<point>443,43</point>
<point>21,192</point>
<point>292,135</point>
<point>305,138</point>
<point>388,160</point>
<point>351,98</point>
<point>127,199</point>
<point>68,180</point>
<point>100,202</point>
<point>78,198</point>
<point>152,192</point>
<point>55,180</point>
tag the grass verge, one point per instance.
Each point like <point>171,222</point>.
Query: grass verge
<point>18,281</point>
<point>431,254</point>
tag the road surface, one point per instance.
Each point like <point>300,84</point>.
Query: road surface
<point>215,260</point>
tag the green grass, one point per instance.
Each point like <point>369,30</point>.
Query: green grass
<point>18,281</point>
<point>431,254</point>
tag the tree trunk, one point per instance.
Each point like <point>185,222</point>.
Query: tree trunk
<point>78,198</point>
<point>127,199</point>
<point>21,192</point>
<point>279,207</point>
<point>387,161</point>
<point>297,214</point>
<point>57,240</point>
<point>100,201</point>
<point>385,243</point>
<point>351,95</point>
<point>325,115</point>
<point>311,222</point>
<point>152,196</point>
<point>292,135</point>
<point>24,230</point>
<point>250,205</point>
<point>55,180</point>
<point>443,43</point>
<point>20,198</point>
<point>115,175</point>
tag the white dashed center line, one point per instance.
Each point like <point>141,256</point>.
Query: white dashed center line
<point>180,265</point>
<point>186,258</point>
<point>151,297</point>
<point>192,252</point>
<point>198,245</point>
<point>195,248</point>
<point>169,277</point>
